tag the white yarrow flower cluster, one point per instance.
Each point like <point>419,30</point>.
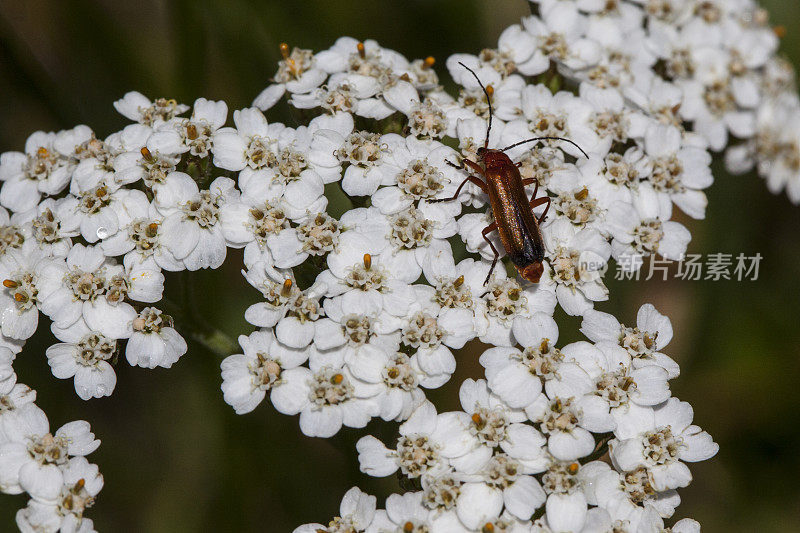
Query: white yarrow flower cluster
<point>359,314</point>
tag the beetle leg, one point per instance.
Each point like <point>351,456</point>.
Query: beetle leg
<point>486,231</point>
<point>536,202</point>
<point>472,179</point>
<point>474,166</point>
<point>528,181</point>
<point>459,167</point>
<point>465,164</point>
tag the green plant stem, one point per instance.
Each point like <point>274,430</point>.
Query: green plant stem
<point>200,331</point>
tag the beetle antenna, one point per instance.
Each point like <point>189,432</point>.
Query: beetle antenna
<point>488,101</point>
<point>546,139</point>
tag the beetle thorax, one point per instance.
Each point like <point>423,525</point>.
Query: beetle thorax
<point>494,159</point>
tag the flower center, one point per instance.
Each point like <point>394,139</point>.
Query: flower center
<point>291,164</point>
<point>427,119</point>
<point>420,180</point>
<point>320,235</point>
<point>554,45</point>
<point>453,293</point>
<point>399,374</point>
<point>258,153</point>
<point>266,372</point>
<point>144,234</point>
<point>538,164</point>
<point>566,266</point>
<point>203,209</point>
<point>361,148</point>
<point>500,61</point>
<point>661,9</point>
<point>620,172</point>
<point>22,288</point>
<point>577,206</point>
<point>610,124</point>
<point>75,499</point>
<point>94,348</point>
<point>157,167</point>
<point>719,98</point>
<point>93,201</point>
<point>369,64</point>
<point>340,98</point>
<point>357,329</point>
<point>86,286</point>
<point>637,485</point>
<point>341,525</point>
<point>198,136</point>
<point>661,446</point>
<point>542,360</point>
<point>303,307</point>
<point>440,492</point>
<point>561,478</point>
<point>151,320</point>
<point>709,12</point>
<point>647,235</point>
<point>41,164</point>
<point>416,454</point>
<point>502,471</point>
<point>489,425</point>
<point>680,64</point>
<point>267,220</point>
<point>10,237</point>
<point>162,108</point>
<point>367,276</point>
<point>505,299</point>
<point>614,387</point>
<point>294,65</point>
<point>47,449</point>
<point>638,343</point>
<point>329,387</point>
<point>560,415</point>
<point>410,229</point>
<point>46,229</point>
<point>475,100</point>
<point>423,331</point>
<point>547,124</point>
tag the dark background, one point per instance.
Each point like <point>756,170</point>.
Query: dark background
<point>176,457</point>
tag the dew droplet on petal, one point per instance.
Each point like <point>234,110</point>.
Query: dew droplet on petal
<point>102,233</point>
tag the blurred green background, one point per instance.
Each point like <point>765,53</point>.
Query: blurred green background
<point>174,455</point>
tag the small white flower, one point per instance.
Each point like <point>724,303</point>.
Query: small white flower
<point>137,107</point>
<point>192,229</point>
<point>403,513</point>
<point>43,169</point>
<point>90,286</point>
<point>644,342</point>
<point>32,459</point>
<point>247,377</point>
<point>628,496</point>
<point>84,354</point>
<point>82,483</point>
<point>679,172</point>
<point>154,342</point>
<point>356,513</point>
<point>659,440</point>
<point>427,442</point>
<point>326,399</point>
<point>22,294</point>
<point>576,260</point>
